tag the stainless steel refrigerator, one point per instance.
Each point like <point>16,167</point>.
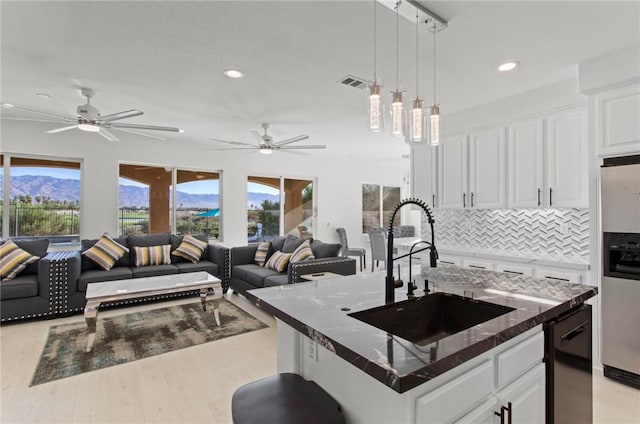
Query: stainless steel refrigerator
<point>620,217</point>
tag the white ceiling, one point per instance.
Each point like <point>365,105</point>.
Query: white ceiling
<point>167,58</point>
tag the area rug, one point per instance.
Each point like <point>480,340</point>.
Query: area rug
<point>137,335</point>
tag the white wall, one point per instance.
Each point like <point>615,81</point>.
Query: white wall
<point>339,183</point>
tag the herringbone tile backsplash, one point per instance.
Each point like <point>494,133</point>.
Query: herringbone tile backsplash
<point>555,234</point>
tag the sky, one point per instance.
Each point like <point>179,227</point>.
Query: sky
<point>70,174</point>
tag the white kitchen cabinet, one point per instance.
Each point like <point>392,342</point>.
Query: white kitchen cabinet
<point>487,174</point>
<point>423,173</point>
<point>526,170</point>
<point>516,269</point>
<point>483,414</point>
<point>616,113</point>
<point>524,398</point>
<point>567,160</point>
<point>453,173</point>
<point>472,172</point>
<point>563,274</point>
<point>478,264</point>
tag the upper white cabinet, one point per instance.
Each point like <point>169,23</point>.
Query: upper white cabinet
<point>526,171</point>
<point>617,113</point>
<point>487,169</point>
<point>472,171</point>
<point>453,172</point>
<point>567,163</point>
<point>423,173</point>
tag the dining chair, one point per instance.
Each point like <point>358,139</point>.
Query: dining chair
<point>378,240</point>
<point>354,251</point>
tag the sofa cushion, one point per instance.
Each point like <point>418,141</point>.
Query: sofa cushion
<point>154,270</point>
<point>276,280</point>
<point>99,275</point>
<point>277,243</point>
<point>261,253</point>
<point>146,241</point>
<point>191,248</point>
<point>291,243</point>
<point>36,248</point>
<point>152,255</point>
<point>278,261</point>
<point>176,240</point>
<point>20,287</point>
<point>13,260</point>
<point>88,264</point>
<point>106,252</point>
<point>302,253</point>
<point>207,266</point>
<point>325,250</point>
<point>253,274</point>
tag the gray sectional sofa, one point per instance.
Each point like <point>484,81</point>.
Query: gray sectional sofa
<point>82,271</point>
<point>247,275</point>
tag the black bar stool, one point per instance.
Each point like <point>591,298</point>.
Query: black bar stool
<point>284,399</point>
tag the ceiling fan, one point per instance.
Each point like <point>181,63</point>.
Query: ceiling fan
<point>267,146</point>
<point>89,119</point>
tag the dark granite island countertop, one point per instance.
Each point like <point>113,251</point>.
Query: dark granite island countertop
<point>319,310</point>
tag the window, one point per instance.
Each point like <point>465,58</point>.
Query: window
<point>148,205</point>
<point>43,198</point>
<point>279,206</point>
<point>378,203</point>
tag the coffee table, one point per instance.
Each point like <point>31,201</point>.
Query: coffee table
<point>109,291</point>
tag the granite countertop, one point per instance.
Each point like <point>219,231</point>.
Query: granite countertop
<point>318,310</point>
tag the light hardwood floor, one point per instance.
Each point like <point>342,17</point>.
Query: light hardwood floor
<point>192,385</point>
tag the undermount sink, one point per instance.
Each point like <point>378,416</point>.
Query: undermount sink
<point>425,319</point>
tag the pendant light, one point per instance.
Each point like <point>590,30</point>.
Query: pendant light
<point>417,115</point>
<point>376,106</point>
<point>397,107</point>
<point>435,108</point>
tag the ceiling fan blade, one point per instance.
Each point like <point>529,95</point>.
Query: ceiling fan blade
<point>144,127</point>
<point>235,148</point>
<point>106,134</point>
<point>291,140</point>
<point>65,118</point>
<point>121,115</point>
<point>308,146</point>
<point>293,152</point>
<point>239,143</point>
<point>258,137</point>
<point>57,130</point>
<point>31,120</point>
<point>155,137</point>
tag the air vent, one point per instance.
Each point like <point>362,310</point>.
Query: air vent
<point>355,82</point>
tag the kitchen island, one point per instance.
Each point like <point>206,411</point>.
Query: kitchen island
<point>379,376</point>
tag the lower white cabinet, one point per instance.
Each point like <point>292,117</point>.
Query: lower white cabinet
<point>476,264</point>
<point>512,269</point>
<point>563,275</point>
<point>523,401</point>
<point>483,414</point>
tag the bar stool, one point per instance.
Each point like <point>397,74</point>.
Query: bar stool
<point>284,399</point>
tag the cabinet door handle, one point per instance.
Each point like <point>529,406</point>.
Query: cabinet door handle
<point>509,411</point>
<point>472,199</point>
<point>550,193</point>
<point>539,196</point>
<point>433,200</point>
<point>464,200</point>
<point>501,414</point>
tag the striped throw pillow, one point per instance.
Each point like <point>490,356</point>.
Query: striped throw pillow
<point>302,253</point>
<point>191,248</point>
<point>153,255</point>
<point>278,261</point>
<point>261,253</point>
<point>13,260</point>
<point>106,252</point>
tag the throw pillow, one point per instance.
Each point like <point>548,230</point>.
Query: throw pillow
<point>325,250</point>
<point>278,261</point>
<point>302,253</point>
<point>261,253</point>
<point>291,243</point>
<point>153,255</point>
<point>13,260</point>
<point>106,252</point>
<point>191,248</point>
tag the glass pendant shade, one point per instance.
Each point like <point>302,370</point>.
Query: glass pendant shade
<point>417,121</point>
<point>435,125</point>
<point>376,113</point>
<point>397,114</point>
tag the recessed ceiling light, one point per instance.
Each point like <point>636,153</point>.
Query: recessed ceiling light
<point>234,73</point>
<point>508,66</point>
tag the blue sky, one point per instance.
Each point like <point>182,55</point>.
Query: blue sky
<point>70,174</point>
